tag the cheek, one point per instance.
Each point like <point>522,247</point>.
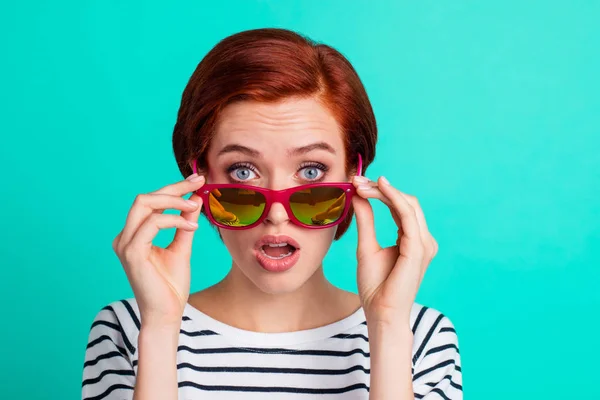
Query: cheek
<point>318,242</point>
<point>237,242</point>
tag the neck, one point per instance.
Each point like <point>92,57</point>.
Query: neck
<point>236,301</point>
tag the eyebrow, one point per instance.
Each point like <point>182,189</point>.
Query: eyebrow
<point>311,147</point>
<point>232,148</point>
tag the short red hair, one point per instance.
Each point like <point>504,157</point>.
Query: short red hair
<point>268,65</point>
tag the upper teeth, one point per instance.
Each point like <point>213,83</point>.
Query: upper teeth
<point>277,244</point>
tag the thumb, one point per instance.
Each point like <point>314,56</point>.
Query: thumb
<point>182,242</point>
<point>365,224</point>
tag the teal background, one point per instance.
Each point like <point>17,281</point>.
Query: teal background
<point>487,112</point>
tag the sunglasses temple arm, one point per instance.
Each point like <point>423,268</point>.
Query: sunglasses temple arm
<point>359,165</point>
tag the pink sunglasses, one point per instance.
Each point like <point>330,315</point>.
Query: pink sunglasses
<point>313,206</point>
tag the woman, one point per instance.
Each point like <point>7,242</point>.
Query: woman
<point>274,134</point>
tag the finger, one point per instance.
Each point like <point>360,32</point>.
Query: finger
<point>116,240</point>
<point>369,190</point>
<point>191,183</point>
<point>143,237</point>
<point>418,210</point>
<point>428,241</point>
<point>366,188</point>
<point>397,221</point>
<point>412,200</point>
<point>146,204</point>
<point>408,217</point>
<point>407,272</point>
<point>365,224</point>
<point>182,242</point>
<point>157,201</point>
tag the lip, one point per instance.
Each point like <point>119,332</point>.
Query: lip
<point>266,239</point>
<point>276,265</point>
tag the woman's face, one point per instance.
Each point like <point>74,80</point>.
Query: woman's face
<point>254,144</point>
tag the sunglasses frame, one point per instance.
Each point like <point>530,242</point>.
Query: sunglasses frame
<point>277,196</point>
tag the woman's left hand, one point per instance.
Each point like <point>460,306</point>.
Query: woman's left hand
<point>389,278</point>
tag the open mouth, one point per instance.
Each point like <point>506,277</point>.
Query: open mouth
<point>277,251</point>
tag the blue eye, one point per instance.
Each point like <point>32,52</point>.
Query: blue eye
<point>242,174</point>
<point>241,171</point>
<point>313,173</point>
<point>312,170</point>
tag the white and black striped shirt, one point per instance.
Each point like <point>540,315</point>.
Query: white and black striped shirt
<point>218,361</point>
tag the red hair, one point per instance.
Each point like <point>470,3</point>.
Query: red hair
<point>268,65</point>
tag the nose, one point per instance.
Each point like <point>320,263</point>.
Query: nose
<point>277,214</point>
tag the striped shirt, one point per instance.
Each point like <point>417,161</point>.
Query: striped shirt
<point>219,361</point>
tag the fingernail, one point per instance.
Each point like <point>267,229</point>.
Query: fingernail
<point>192,203</point>
<point>197,178</point>
<point>192,223</point>
<point>384,180</point>
<point>192,176</point>
<point>365,187</point>
<point>361,179</point>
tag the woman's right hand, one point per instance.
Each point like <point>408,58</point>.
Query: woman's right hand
<point>160,278</point>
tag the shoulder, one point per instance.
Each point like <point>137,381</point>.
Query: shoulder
<point>118,321</point>
<point>431,329</point>
<point>108,368</point>
<point>436,360</point>
<point>423,318</point>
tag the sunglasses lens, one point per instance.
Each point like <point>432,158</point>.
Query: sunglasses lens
<point>236,207</point>
<point>318,205</point>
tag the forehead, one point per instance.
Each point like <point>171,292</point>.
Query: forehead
<point>270,127</point>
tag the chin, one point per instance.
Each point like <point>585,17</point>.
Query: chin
<point>278,282</point>
<point>268,286</point>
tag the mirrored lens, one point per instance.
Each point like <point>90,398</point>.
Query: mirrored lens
<point>236,207</point>
<point>318,205</point>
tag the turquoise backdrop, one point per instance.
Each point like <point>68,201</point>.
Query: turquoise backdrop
<point>487,112</point>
